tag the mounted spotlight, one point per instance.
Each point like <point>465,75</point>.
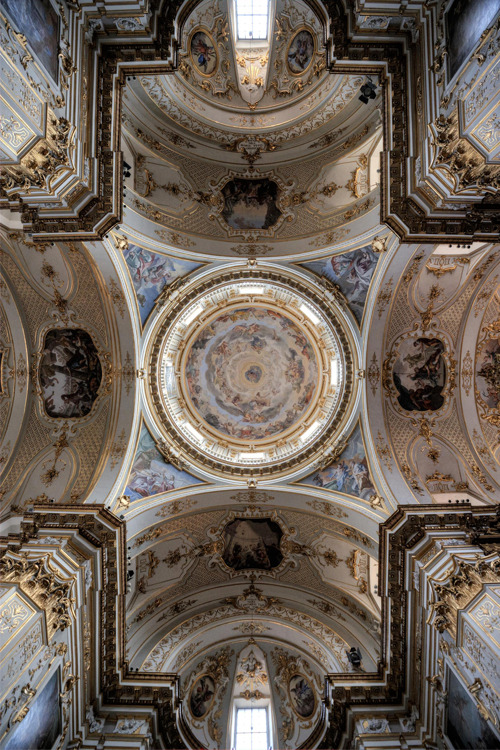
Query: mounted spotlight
<point>126,169</point>
<point>367,91</point>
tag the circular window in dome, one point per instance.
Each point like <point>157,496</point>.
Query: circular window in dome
<point>251,374</point>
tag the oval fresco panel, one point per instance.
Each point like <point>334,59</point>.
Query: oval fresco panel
<point>70,373</point>
<point>419,374</point>
<point>300,52</point>
<point>251,373</point>
<point>203,53</point>
<point>302,696</point>
<point>488,373</point>
<point>202,696</point>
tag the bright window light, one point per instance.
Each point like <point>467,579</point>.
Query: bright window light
<point>309,314</point>
<point>193,314</point>
<point>256,456</point>
<point>307,434</point>
<point>194,433</point>
<point>252,18</point>
<point>251,729</point>
<point>249,289</point>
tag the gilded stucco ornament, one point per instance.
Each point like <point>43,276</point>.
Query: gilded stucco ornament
<point>272,330</point>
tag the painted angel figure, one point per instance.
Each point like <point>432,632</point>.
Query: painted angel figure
<point>203,50</point>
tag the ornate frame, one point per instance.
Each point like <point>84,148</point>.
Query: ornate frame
<point>197,30</point>
<point>311,61</point>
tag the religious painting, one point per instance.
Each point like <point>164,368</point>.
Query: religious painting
<point>251,373</point>
<point>488,373</point>
<point>300,52</point>
<point>352,272</point>
<point>251,204</point>
<point>202,696</point>
<point>203,53</point>
<point>150,475</point>
<point>465,22</point>
<point>419,374</point>
<point>39,22</point>
<point>150,273</point>
<point>301,696</point>
<point>465,727</point>
<point>252,543</point>
<point>349,473</point>
<point>70,373</point>
<point>42,725</point>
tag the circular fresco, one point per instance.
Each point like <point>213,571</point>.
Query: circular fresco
<point>251,373</point>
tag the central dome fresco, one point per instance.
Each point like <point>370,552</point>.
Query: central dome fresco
<point>252,373</point>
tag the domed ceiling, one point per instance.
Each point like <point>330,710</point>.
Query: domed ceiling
<point>253,374</point>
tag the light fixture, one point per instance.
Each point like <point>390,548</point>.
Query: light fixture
<point>367,91</point>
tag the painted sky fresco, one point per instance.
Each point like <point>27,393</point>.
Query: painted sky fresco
<point>44,721</point>
<point>350,474</point>
<point>151,272</point>
<point>352,272</point>
<point>150,475</point>
<point>39,22</point>
<point>251,373</point>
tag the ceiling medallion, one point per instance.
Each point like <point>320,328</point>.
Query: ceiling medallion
<point>251,372</point>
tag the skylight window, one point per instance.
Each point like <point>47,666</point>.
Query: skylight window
<point>252,19</point>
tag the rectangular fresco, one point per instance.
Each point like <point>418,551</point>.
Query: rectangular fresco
<point>151,272</point>
<point>150,475</point>
<point>39,22</point>
<point>352,272</point>
<point>349,474</point>
<point>465,22</point>
<point>465,727</point>
<point>42,725</point>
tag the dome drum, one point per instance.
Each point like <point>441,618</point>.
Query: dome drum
<point>251,374</point>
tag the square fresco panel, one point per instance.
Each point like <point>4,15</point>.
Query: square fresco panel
<point>487,369</point>
<point>251,204</point>
<point>419,374</point>
<point>252,543</point>
<point>39,22</point>
<point>465,727</point>
<point>151,272</point>
<point>42,724</point>
<point>150,475</point>
<point>352,272</point>
<point>465,22</point>
<point>349,474</point>
<point>70,373</point>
